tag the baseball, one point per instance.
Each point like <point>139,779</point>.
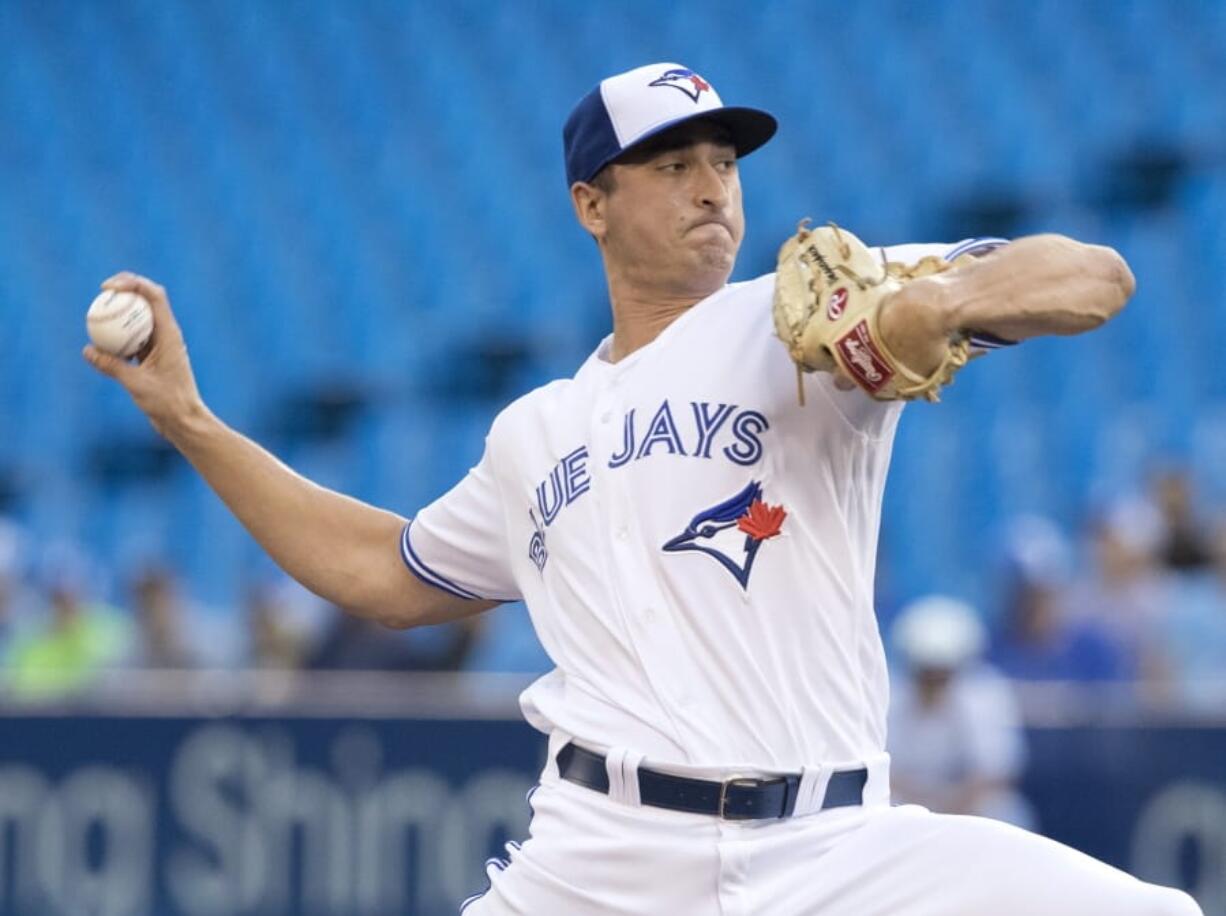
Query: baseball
<point>119,323</point>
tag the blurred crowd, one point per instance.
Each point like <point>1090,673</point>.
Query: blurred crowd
<point>1140,605</point>
<point>1138,600</point>
<point>1141,601</point>
<point>57,634</point>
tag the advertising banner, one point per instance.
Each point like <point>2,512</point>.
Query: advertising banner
<point>238,816</point>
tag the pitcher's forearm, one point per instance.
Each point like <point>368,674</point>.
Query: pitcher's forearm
<point>323,539</point>
<point>1042,284</point>
<point>340,548</point>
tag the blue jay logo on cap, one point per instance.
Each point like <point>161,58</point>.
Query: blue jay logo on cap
<point>683,80</point>
<point>732,531</point>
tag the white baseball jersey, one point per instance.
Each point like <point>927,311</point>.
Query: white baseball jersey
<point>696,549</point>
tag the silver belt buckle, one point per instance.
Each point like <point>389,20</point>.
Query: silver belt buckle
<point>737,779</point>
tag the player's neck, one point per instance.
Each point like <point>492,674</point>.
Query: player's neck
<point>640,316</point>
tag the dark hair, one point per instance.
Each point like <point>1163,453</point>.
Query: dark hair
<point>604,180</point>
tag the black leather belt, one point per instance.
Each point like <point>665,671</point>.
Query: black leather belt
<point>736,799</point>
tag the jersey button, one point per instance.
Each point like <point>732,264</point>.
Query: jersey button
<point>621,533</point>
<point>606,416</point>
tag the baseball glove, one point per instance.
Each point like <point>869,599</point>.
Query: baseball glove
<point>828,293</point>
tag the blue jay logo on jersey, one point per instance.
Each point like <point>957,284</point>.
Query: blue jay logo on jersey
<point>731,532</point>
<point>683,80</point>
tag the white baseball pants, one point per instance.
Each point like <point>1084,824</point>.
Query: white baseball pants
<point>588,854</point>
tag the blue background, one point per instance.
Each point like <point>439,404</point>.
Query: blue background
<point>363,204</point>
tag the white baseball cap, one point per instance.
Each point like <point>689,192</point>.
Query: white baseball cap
<point>939,632</point>
<point>626,109</point>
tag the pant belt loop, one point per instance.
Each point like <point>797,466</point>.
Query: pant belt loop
<point>812,791</point>
<point>622,765</point>
<point>877,788</point>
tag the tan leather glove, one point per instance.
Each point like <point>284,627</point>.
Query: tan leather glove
<point>828,293</point>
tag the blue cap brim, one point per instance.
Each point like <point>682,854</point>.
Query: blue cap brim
<point>750,128</point>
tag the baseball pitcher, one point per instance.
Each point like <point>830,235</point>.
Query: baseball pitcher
<point>692,521</point>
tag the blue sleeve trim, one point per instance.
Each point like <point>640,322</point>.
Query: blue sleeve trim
<point>425,573</point>
<point>975,247</point>
<point>985,341</point>
<point>978,247</point>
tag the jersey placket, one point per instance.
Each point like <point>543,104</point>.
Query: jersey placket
<point>630,580</point>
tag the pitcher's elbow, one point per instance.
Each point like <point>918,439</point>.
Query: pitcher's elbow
<point>388,612</point>
<point>1121,278</point>
<point>399,618</point>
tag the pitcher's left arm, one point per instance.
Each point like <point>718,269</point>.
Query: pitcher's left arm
<point>1041,284</point>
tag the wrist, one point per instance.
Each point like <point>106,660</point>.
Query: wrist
<point>916,323</point>
<point>936,303</point>
<point>187,425</point>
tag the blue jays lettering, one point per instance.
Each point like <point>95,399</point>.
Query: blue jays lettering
<point>537,551</point>
<point>730,532</point>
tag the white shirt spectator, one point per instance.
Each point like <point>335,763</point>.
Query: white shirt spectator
<point>965,750</point>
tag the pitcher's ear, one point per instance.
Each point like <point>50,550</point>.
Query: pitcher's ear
<point>588,199</point>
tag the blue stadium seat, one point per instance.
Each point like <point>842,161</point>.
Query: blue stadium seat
<point>338,190</point>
